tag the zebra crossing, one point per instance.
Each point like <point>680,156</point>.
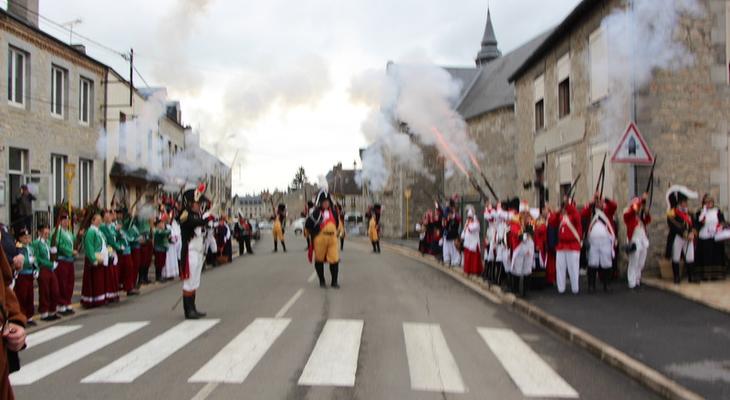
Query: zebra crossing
<point>332,362</point>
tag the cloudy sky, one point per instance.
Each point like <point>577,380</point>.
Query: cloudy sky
<point>269,79</point>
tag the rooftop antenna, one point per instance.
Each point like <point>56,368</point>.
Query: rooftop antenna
<point>70,25</point>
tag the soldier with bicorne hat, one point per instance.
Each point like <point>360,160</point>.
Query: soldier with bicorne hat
<point>192,228</point>
<point>680,241</point>
<point>322,225</point>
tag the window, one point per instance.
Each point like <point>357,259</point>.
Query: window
<point>564,86</point>
<point>727,40</point>
<point>86,99</point>
<point>598,56</point>
<point>17,81</point>
<point>565,173</point>
<point>58,91</point>
<point>58,164</point>
<point>169,154</point>
<point>539,103</point>
<point>122,136</point>
<point>86,182</point>
<point>597,154</point>
<point>564,98</point>
<point>353,205</point>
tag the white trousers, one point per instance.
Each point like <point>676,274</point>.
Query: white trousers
<point>195,263</point>
<point>523,259</point>
<point>451,255</point>
<point>568,261</point>
<point>600,253</point>
<point>683,246</point>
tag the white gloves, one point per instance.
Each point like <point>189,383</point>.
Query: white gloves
<point>31,260</point>
<point>54,250</point>
<point>36,273</point>
<point>55,265</point>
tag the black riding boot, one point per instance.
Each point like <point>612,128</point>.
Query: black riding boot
<point>675,272</point>
<point>375,249</point>
<point>276,246</point>
<point>319,267</point>
<point>195,309</point>
<point>188,308</point>
<point>605,277</point>
<point>591,279</point>
<point>692,274</point>
<point>378,244</point>
<point>334,271</point>
<point>283,246</point>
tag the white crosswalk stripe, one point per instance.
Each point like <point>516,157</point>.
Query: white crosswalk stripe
<point>333,361</point>
<point>532,375</point>
<point>431,365</point>
<point>46,335</point>
<point>134,364</point>
<point>238,358</point>
<point>53,362</point>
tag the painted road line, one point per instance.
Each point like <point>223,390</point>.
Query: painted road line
<point>55,361</point>
<point>532,375</point>
<point>206,391</point>
<point>431,365</point>
<point>49,334</point>
<point>238,358</point>
<point>312,277</point>
<point>333,361</point>
<point>289,303</point>
<point>131,366</point>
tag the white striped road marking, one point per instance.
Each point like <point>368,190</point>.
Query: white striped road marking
<point>430,362</point>
<point>333,361</point>
<point>53,362</point>
<point>312,277</point>
<point>532,375</point>
<point>131,366</point>
<point>289,303</point>
<point>238,358</point>
<point>49,334</point>
<point>206,391</point>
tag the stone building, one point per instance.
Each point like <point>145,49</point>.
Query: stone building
<point>50,116</point>
<point>487,103</point>
<point>563,97</point>
<point>344,189</point>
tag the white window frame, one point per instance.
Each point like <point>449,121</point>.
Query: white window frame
<point>599,89</point>
<point>56,172</point>
<point>563,71</point>
<point>13,53</point>
<point>85,104</point>
<point>539,94</point>
<point>86,176</point>
<point>55,72</point>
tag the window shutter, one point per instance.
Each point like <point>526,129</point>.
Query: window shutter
<point>539,88</point>
<point>563,67</point>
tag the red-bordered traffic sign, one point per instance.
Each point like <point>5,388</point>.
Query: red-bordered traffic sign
<point>632,148</point>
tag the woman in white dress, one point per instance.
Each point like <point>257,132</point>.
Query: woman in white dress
<point>172,269</point>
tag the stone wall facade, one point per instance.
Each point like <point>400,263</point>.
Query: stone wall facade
<point>32,128</point>
<point>682,114</point>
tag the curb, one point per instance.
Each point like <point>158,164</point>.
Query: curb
<point>658,283</point>
<point>635,369</point>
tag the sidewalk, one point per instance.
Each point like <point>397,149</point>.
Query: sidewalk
<point>684,340</point>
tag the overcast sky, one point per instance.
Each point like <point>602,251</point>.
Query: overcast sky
<point>270,79</point>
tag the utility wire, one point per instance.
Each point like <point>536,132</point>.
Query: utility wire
<point>67,30</point>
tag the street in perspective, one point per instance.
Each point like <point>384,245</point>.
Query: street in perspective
<point>213,199</point>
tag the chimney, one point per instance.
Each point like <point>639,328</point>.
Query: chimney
<point>26,10</point>
<point>80,48</point>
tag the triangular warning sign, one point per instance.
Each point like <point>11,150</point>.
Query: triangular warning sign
<point>632,148</point>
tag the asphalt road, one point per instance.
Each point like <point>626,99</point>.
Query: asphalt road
<point>397,329</point>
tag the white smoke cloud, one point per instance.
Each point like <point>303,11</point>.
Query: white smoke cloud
<point>421,96</point>
<point>641,40</point>
<point>176,31</point>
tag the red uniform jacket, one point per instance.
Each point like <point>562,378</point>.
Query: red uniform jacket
<point>632,219</point>
<point>609,208</point>
<point>567,240</point>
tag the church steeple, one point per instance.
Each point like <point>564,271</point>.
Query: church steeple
<point>489,50</point>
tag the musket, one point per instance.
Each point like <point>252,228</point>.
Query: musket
<point>650,185</point>
<point>599,184</point>
<point>54,238</point>
<point>133,214</point>
<point>88,216</point>
<point>571,191</point>
<point>474,183</point>
<point>489,186</point>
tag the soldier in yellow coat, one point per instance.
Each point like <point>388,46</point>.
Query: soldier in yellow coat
<point>278,229</point>
<point>374,228</point>
<point>322,225</point>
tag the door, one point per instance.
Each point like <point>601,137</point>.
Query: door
<point>17,177</point>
